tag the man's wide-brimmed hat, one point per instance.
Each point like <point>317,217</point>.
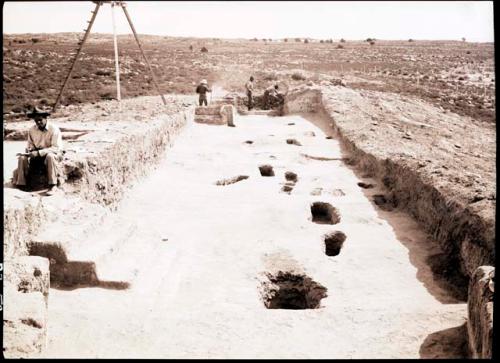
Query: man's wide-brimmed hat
<point>204,81</point>
<point>37,113</point>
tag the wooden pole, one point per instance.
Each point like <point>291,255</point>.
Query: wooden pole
<point>142,52</point>
<point>117,66</point>
<point>87,32</point>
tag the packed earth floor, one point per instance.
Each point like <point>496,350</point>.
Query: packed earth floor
<point>228,215</point>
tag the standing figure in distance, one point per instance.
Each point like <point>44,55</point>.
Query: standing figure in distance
<point>249,87</point>
<point>202,90</point>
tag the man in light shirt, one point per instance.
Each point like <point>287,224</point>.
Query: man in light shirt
<point>249,87</point>
<point>45,143</point>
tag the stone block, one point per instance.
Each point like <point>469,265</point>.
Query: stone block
<point>24,323</point>
<point>227,113</point>
<point>29,274</point>
<point>209,119</point>
<point>480,313</point>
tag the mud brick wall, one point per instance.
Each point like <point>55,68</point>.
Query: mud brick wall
<point>480,310</point>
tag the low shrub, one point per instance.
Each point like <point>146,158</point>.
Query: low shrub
<point>271,77</point>
<point>103,73</point>
<point>297,76</point>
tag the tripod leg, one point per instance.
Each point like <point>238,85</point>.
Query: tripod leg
<point>117,66</point>
<point>142,52</point>
<point>87,32</point>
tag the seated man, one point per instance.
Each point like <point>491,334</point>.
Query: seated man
<point>270,96</point>
<point>44,143</point>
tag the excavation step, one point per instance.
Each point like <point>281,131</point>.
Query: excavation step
<point>208,110</point>
<point>209,119</point>
<point>73,246</point>
<point>219,112</point>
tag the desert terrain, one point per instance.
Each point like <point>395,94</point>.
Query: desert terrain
<point>458,76</point>
<point>358,224</point>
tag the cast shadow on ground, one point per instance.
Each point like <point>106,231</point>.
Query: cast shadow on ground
<point>448,343</point>
<point>71,275</point>
<point>434,268</point>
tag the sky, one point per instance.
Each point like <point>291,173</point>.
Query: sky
<point>351,20</point>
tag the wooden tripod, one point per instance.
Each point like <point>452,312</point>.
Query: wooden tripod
<point>82,42</point>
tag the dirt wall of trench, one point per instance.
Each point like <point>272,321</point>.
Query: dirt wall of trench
<point>465,232</point>
<point>101,177</point>
<point>105,177</point>
<point>464,235</point>
<point>21,219</point>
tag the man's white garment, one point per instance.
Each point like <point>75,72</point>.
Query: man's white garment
<point>48,140</point>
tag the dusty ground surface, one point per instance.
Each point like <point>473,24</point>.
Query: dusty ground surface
<point>195,254</point>
<point>458,76</point>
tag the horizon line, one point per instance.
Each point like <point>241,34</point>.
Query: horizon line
<point>260,39</point>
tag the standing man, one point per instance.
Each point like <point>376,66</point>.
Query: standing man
<point>44,143</point>
<point>202,90</point>
<point>249,87</point>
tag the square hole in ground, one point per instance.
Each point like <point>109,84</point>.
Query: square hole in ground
<point>288,290</point>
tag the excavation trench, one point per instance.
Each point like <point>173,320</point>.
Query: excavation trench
<point>334,242</point>
<point>324,213</point>
<point>288,290</point>
<point>465,236</point>
<point>190,262</point>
